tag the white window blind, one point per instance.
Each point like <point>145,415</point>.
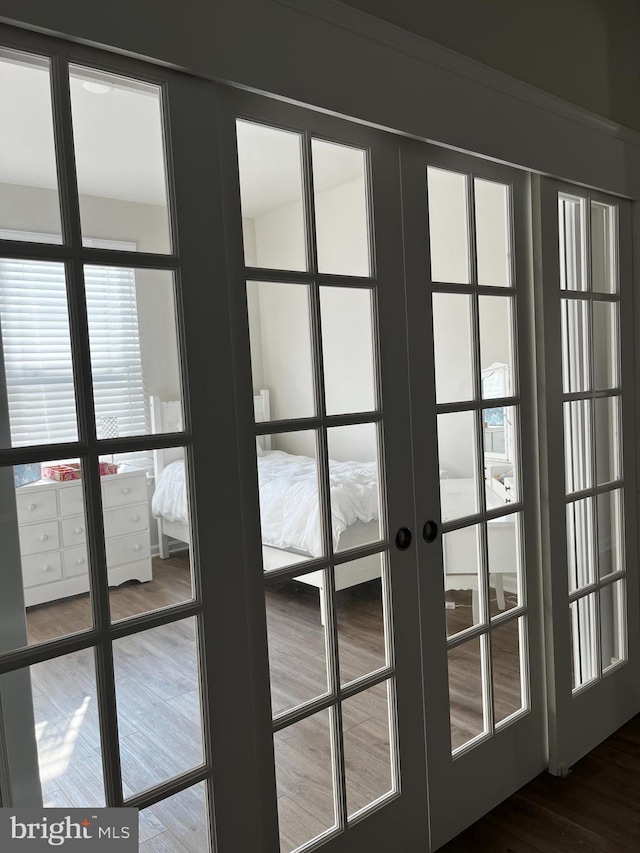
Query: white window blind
<point>37,352</point>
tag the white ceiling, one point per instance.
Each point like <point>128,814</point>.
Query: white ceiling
<point>118,143</point>
<point>117,137</point>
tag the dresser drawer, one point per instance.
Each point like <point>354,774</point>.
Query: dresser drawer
<point>126,549</point>
<point>35,538</point>
<point>41,568</point>
<point>73,531</point>
<point>126,519</point>
<point>36,505</point>
<point>124,490</point>
<point>71,500</point>
<point>75,562</point>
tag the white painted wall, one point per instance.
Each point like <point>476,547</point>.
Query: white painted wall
<point>279,319</point>
<point>452,332</point>
<point>35,209</point>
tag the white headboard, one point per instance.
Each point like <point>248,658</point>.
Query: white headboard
<point>262,412</point>
<point>166,416</point>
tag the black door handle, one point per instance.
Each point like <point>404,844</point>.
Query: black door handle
<point>404,537</point>
<point>430,531</point>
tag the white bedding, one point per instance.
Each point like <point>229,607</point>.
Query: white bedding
<point>289,507</point>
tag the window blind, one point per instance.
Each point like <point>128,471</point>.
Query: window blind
<point>37,352</point>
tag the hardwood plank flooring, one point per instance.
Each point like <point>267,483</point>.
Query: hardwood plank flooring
<point>594,809</point>
<point>159,708</point>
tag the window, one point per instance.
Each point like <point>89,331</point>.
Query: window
<point>37,357</point>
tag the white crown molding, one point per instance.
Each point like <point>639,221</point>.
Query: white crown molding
<point>392,36</point>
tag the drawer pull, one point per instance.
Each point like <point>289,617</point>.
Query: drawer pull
<point>46,568</point>
<point>135,518</point>
<point>31,506</point>
<point>44,537</point>
<point>126,490</point>
<point>137,547</point>
<point>80,561</point>
<point>78,530</point>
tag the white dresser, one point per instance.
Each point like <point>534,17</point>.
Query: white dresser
<point>52,531</point>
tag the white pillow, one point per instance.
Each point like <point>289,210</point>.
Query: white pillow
<point>259,450</point>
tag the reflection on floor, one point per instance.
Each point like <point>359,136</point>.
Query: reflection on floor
<point>159,715</point>
<point>158,711</point>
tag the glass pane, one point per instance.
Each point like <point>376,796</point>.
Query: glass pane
<point>493,237</point>
<point>29,201</point>
<point>65,711</point>
<point>603,248</point>
<point>605,346</point>
<point>463,579</point>
<point>496,346</point>
<point>297,640</point>
<point>583,640</point>
<point>158,700</point>
<point>575,345</point>
<point>580,556</point>
<point>500,428</point>
<point>134,348</point>
<point>506,669</point>
<point>289,499</point>
<point>458,465</point>
<point>453,347</point>
<point>178,824</point>
<point>613,633</point>
<point>571,214</point>
<point>466,701</point>
<point>45,567</point>
<point>118,139</point>
<point>36,346</point>
<point>270,163</point>
<point>348,349</point>
<point>280,337</point>
<point>304,779</point>
<point>340,196</point>
<point>505,562</point>
<point>361,614</point>
<point>610,553</point>
<point>355,489</point>
<point>448,226</point>
<point>142,516</point>
<point>608,439</point>
<point>578,451</point>
<point>367,746</point>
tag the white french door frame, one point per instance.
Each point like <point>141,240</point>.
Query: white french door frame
<point>581,719</point>
<point>399,822</point>
<point>464,787</point>
<point>198,262</point>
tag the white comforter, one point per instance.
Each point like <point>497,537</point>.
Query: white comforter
<point>289,507</point>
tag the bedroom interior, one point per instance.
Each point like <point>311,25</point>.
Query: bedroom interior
<point>268,636</point>
<point>136,382</point>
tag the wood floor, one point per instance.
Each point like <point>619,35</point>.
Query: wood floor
<point>159,709</point>
<point>594,810</point>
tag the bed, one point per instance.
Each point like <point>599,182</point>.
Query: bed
<point>290,516</point>
<point>289,507</point>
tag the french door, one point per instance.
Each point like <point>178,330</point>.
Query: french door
<point>305,610</point>
<point>589,523</point>
<point>323,420</point>
<point>469,300</point>
<point>322,337</point>
<point>116,685</point>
